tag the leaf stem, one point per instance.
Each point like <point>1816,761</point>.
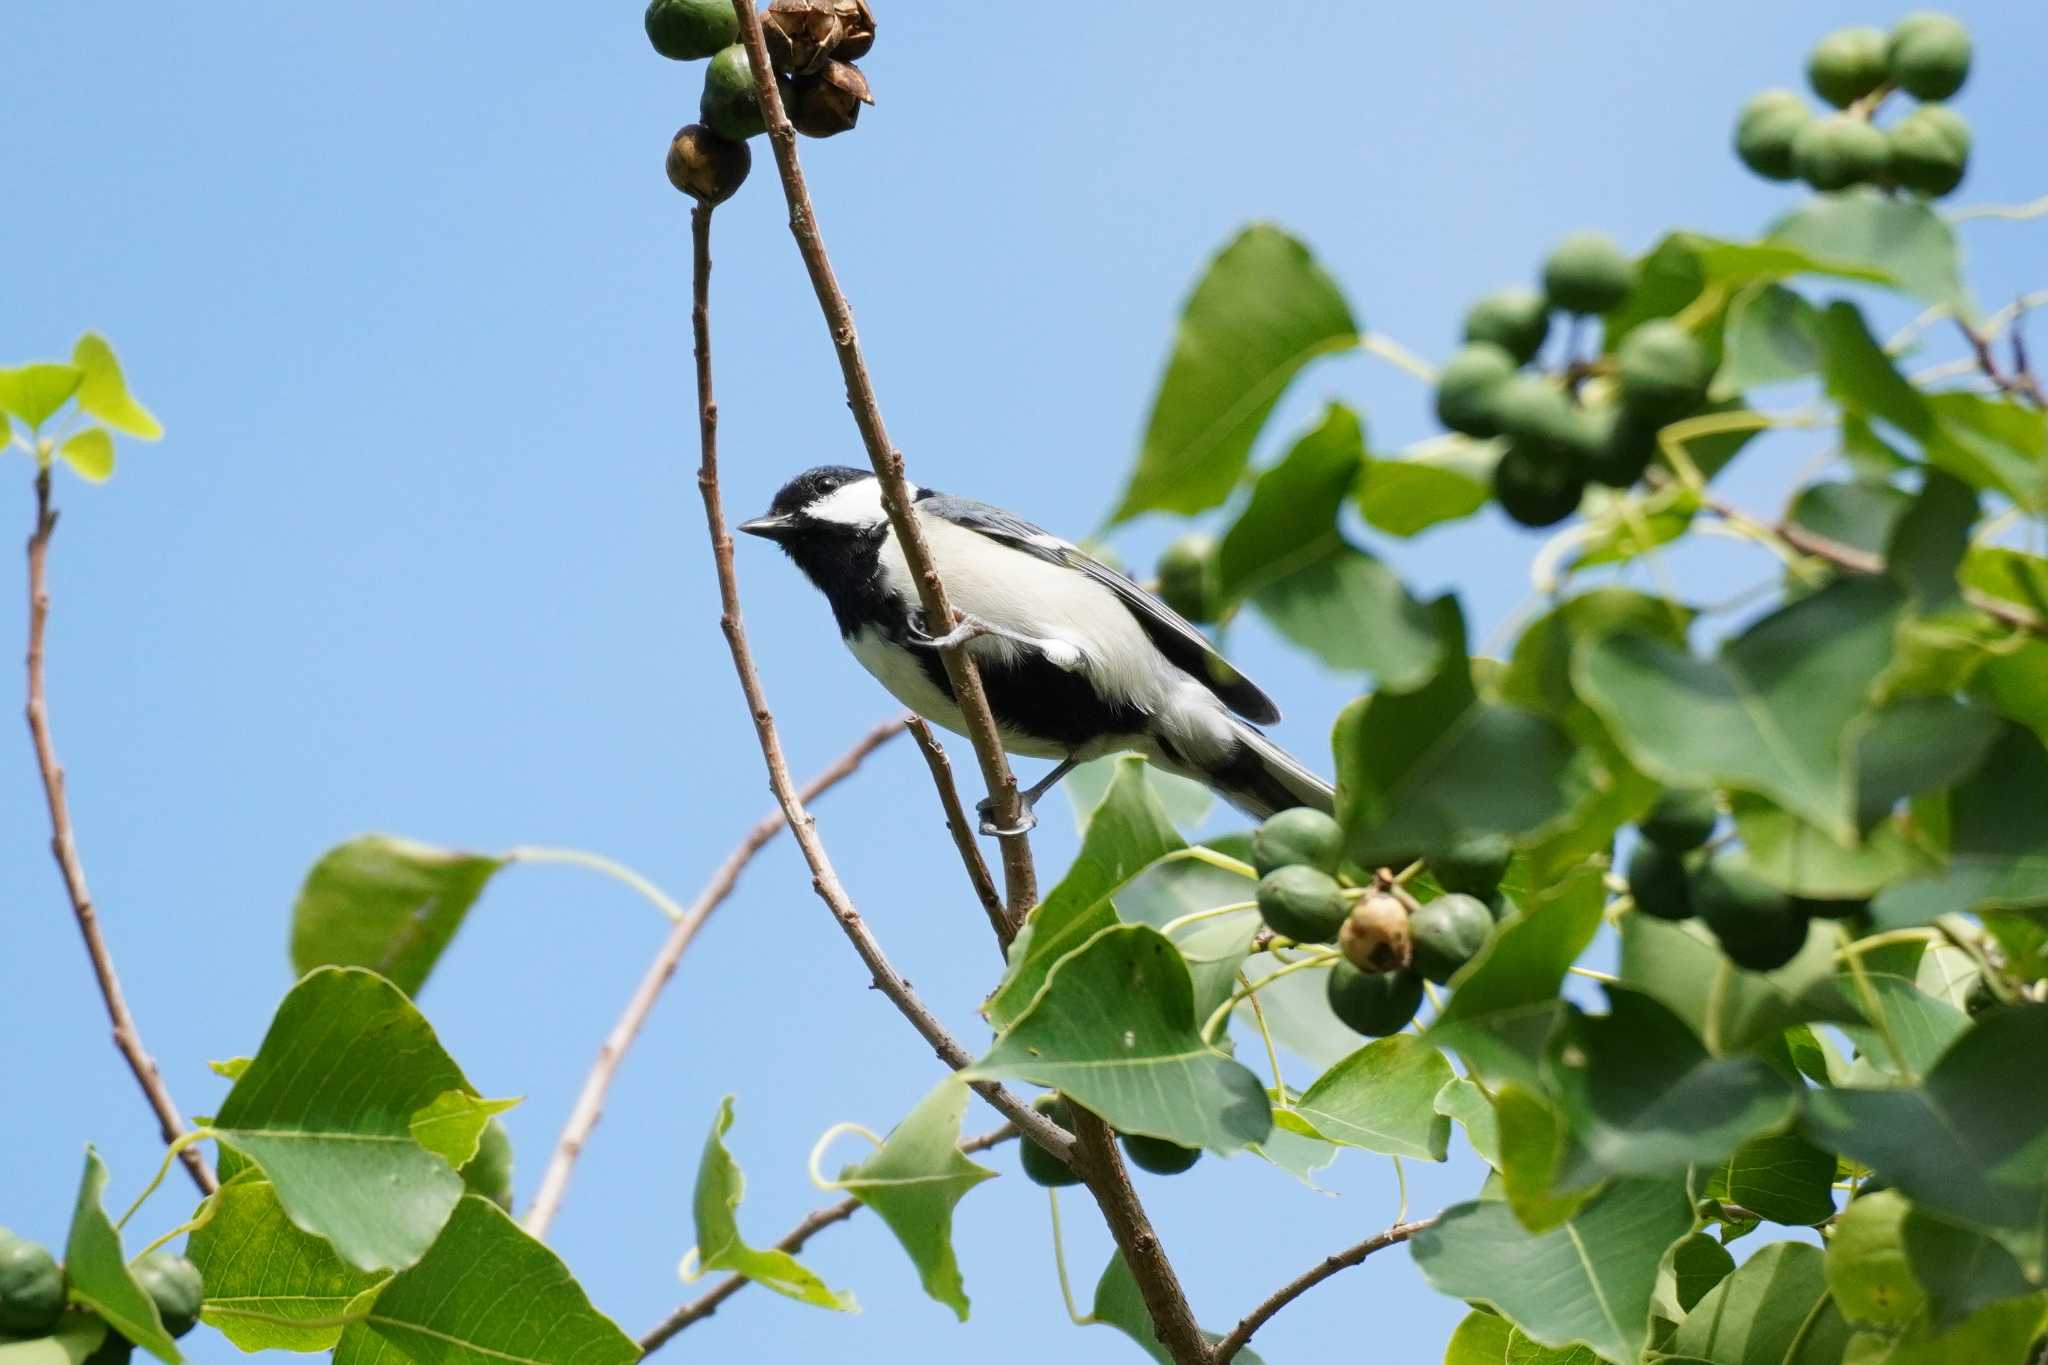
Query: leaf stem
<point>597,862</point>
<point>829,1136</point>
<point>1397,355</point>
<point>1319,957</point>
<point>1059,1263</point>
<point>172,1152</point>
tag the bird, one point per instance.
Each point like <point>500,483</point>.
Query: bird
<point>1077,660</point>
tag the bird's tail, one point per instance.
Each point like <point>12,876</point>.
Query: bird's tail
<point>1259,777</point>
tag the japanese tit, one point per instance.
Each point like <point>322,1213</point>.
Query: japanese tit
<point>1078,661</point>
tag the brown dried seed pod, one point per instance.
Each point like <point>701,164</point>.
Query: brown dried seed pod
<point>801,35</point>
<point>1375,935</point>
<point>828,102</point>
<point>706,166</point>
<point>856,29</point>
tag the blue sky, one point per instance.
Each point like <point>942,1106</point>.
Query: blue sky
<point>421,552</point>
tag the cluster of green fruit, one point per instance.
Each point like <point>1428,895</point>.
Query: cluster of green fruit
<point>1596,421</point>
<point>812,45</point>
<point>1148,1153</point>
<point>33,1295</point>
<point>1672,876</point>
<point>1390,943</point>
<point>1926,55</point>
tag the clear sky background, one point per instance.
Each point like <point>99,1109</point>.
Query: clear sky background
<point>422,551</point>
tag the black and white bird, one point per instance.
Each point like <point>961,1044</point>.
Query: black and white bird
<point>1078,661</point>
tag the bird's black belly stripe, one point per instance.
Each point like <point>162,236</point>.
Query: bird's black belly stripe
<point>1031,694</point>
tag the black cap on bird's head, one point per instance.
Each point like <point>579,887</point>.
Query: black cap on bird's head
<point>833,497</point>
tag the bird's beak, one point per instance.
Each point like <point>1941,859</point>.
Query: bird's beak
<point>773,528</point>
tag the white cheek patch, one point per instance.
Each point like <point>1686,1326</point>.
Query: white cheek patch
<point>857,504</point>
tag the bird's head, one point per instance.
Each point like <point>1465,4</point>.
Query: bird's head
<point>831,502</point>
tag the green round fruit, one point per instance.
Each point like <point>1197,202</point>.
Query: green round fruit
<point>1041,1166</point>
<point>1847,65</point>
<point>1657,882</point>
<point>1662,370</point>
<point>1448,932</point>
<point>1680,821</point>
<point>731,106</point>
<point>31,1288</point>
<point>1500,905</point>
<point>1814,907</point>
<point>1535,412</point>
<point>687,30</point>
<point>1474,865</point>
<point>1627,445</point>
<point>1758,926</point>
<point>1535,487</point>
<point>1928,55</point>
<point>114,1349</point>
<point>1375,1004</point>
<point>1299,836</point>
<point>706,166</point>
<point>1765,129</point>
<point>1516,319</point>
<point>489,1172</point>
<point>1867,1269</point>
<point>1302,903</point>
<point>1469,387</point>
<point>1929,150</point>
<point>173,1284</point>
<point>1159,1156</point>
<point>1840,150</point>
<point>1587,273</point>
<point>1187,577</point>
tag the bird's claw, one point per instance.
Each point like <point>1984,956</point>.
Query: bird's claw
<point>1026,820</point>
<point>970,627</point>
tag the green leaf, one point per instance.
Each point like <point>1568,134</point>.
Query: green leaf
<point>1190,881</point>
<point>327,1107</point>
<point>1535,1147</point>
<point>1922,1026</point>
<point>1999,1334</point>
<point>74,1342</point>
<point>1354,613</point>
<point>97,1270</point>
<point>1645,1098</point>
<point>1291,519</point>
<point>1383,1098</point>
<point>1298,1014</point>
<point>90,453</point>
<point>1793,855</point>
<point>1118,1304</point>
<point>1999,572</point>
<point>1928,545</point>
<point>1445,479</point>
<point>1860,515</point>
<point>1960,1269</point>
<point>1991,443</point>
<point>1772,337</point>
<point>1489,1339</point>
<point>914,1179</point>
<point>1128,831</point>
<point>1419,770</point>
<point>1769,715</point>
<point>1185,801</point>
<point>1502,1015</point>
<point>1262,310</point>
<point>1970,1143</point>
<point>34,392</point>
<point>385,903</point>
<point>486,1294</point>
<point>1917,745</point>
<point>1463,1100</point>
<point>1782,1178</point>
<point>1115,1028</point>
<point>1729,1009</point>
<point>258,1268</point>
<point>1697,1265</point>
<point>720,1187</point>
<point>1859,374</point>
<point>103,392</point>
<point>453,1124</point>
<point>1774,1310</point>
<point>1997,845</point>
<point>1588,1281</point>
<point>1903,239</point>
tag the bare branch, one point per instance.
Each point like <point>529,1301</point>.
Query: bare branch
<point>803,826</point>
<point>963,833</point>
<point>1018,872</point>
<point>1301,1284</point>
<point>2020,383</point>
<point>705,1304</point>
<point>64,847</point>
<point>590,1102</point>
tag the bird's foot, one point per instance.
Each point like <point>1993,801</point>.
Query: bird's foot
<point>970,628</point>
<point>1026,820</point>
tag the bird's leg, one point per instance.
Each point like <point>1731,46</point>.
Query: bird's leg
<point>1026,799</point>
<point>1059,652</point>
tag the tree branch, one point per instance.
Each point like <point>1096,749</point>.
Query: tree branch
<point>705,1304</point>
<point>590,1102</point>
<point>2021,382</point>
<point>1301,1284</point>
<point>803,826</point>
<point>1018,873</point>
<point>65,848</point>
<point>963,833</point>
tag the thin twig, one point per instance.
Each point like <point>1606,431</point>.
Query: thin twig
<point>1019,875</point>
<point>705,1304</point>
<point>803,826</point>
<point>963,833</point>
<point>1295,1288</point>
<point>64,847</point>
<point>1096,1156</point>
<point>590,1102</point>
<point>2019,383</point>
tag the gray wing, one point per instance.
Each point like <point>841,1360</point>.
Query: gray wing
<point>1168,630</point>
